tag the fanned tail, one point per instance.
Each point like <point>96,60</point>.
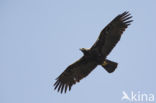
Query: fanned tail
<point>109,66</point>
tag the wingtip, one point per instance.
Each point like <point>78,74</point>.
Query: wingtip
<point>124,13</point>
<point>126,17</point>
<point>61,87</point>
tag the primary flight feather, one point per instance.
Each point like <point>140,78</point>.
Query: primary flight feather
<point>96,55</point>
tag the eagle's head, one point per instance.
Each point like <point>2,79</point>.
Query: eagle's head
<point>85,51</point>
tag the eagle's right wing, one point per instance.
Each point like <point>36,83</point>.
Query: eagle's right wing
<point>111,34</point>
<point>74,73</point>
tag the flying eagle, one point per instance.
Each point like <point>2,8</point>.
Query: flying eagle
<point>96,55</point>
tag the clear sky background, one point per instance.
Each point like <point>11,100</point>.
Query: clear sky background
<point>40,38</point>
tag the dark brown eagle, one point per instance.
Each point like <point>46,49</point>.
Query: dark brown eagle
<point>96,55</point>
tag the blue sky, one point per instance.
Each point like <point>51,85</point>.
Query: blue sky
<point>40,38</point>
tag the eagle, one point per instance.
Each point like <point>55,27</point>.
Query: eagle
<point>96,55</point>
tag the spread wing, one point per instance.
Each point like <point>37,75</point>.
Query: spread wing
<point>74,73</point>
<point>111,34</point>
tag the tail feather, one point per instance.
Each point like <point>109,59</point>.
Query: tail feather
<point>109,66</point>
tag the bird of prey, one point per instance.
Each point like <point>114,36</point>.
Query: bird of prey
<point>96,55</point>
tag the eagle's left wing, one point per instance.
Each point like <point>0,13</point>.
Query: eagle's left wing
<point>74,73</point>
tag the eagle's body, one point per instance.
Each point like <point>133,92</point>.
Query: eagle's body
<point>96,55</point>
